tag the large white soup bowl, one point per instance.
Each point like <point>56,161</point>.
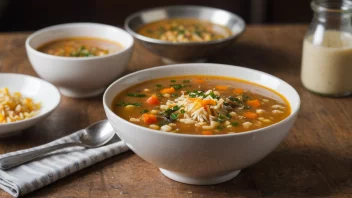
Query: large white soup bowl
<point>196,159</point>
<point>79,77</point>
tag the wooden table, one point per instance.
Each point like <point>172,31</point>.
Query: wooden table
<point>315,160</point>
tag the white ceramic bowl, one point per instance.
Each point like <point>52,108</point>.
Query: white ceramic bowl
<point>35,88</point>
<point>76,76</point>
<point>196,159</point>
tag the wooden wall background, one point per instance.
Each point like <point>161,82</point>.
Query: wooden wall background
<point>22,15</point>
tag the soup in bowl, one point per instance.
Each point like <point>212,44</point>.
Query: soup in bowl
<point>201,123</point>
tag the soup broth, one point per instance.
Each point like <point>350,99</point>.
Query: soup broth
<point>203,105</point>
<point>80,47</point>
<point>184,30</point>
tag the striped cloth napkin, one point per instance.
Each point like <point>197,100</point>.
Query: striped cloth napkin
<point>33,175</point>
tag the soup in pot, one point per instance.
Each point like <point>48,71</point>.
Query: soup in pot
<point>184,30</point>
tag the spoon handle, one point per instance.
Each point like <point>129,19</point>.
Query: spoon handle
<point>18,159</point>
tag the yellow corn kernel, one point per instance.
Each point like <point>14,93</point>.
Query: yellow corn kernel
<point>2,117</point>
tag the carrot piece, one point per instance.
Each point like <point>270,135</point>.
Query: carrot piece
<point>208,102</point>
<point>253,103</point>
<point>168,90</point>
<point>192,99</point>
<point>222,87</point>
<point>199,81</point>
<point>207,133</point>
<point>250,115</point>
<point>149,118</point>
<point>238,91</point>
<point>153,100</point>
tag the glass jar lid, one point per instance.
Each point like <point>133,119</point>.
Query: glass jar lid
<point>337,6</point>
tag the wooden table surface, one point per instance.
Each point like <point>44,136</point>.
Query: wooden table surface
<point>315,160</point>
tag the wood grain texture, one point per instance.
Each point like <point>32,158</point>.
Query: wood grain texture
<point>315,160</point>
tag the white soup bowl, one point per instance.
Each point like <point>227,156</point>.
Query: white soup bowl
<point>196,159</point>
<point>79,77</point>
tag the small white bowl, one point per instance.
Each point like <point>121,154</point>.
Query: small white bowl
<point>79,77</point>
<point>196,159</point>
<point>35,88</point>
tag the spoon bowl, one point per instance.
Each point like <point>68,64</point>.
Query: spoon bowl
<point>97,134</point>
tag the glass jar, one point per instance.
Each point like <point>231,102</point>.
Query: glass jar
<point>327,49</point>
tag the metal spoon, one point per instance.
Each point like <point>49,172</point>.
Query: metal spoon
<point>95,135</point>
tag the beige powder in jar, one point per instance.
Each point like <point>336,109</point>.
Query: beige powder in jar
<point>327,67</point>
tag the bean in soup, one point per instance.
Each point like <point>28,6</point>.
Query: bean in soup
<point>202,105</point>
<point>184,30</point>
<point>80,47</point>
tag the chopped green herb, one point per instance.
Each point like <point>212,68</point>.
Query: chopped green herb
<point>235,124</point>
<point>136,95</point>
<point>228,115</point>
<point>144,111</point>
<point>220,127</point>
<point>123,104</point>
<point>198,33</point>
<point>174,116</point>
<point>192,95</point>
<point>158,85</point>
<point>169,111</point>
<point>176,86</point>
<point>246,107</point>
<point>186,81</point>
<point>181,32</point>
<point>175,108</point>
<point>233,99</point>
<point>183,111</point>
<point>161,29</point>
<point>221,118</point>
<point>197,93</point>
<point>174,95</point>
<point>245,98</point>
<point>213,95</point>
<point>172,80</point>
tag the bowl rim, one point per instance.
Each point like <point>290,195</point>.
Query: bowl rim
<point>292,115</point>
<point>42,114</point>
<point>65,25</point>
<point>158,41</point>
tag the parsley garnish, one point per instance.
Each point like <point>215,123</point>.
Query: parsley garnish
<point>245,98</point>
<point>136,95</point>
<point>220,127</point>
<point>172,80</point>
<point>221,118</point>
<point>246,107</point>
<point>234,124</point>
<point>169,111</point>
<point>123,104</point>
<point>144,111</point>
<point>213,95</point>
<point>186,81</point>
<point>176,86</point>
<point>174,116</point>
